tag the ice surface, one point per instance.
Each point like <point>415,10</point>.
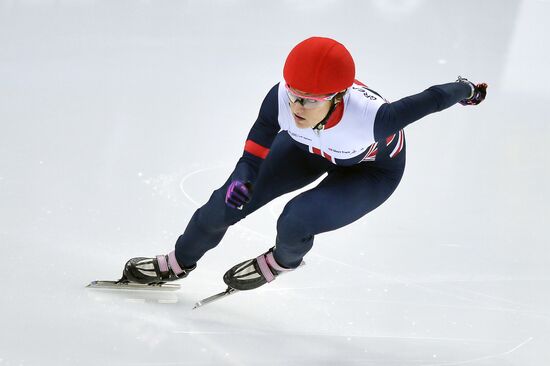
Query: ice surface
<point>119,118</point>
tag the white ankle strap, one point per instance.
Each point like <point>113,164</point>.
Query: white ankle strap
<point>273,263</point>
<point>174,263</point>
<point>163,264</point>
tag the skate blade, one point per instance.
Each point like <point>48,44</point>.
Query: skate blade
<point>221,295</point>
<point>117,285</point>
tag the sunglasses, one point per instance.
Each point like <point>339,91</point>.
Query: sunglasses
<point>308,102</point>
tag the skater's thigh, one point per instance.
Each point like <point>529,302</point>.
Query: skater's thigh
<point>344,196</point>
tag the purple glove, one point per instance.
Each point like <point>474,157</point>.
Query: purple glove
<point>479,92</point>
<point>238,193</point>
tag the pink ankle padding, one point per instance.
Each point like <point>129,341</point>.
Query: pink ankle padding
<point>264,268</point>
<point>163,265</point>
<point>174,263</point>
<point>273,263</point>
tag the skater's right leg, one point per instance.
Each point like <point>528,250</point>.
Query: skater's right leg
<point>285,169</point>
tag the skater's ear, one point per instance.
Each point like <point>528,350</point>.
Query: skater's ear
<point>339,97</point>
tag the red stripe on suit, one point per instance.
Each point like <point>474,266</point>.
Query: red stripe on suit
<point>256,149</point>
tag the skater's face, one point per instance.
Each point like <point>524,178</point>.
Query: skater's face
<point>308,113</point>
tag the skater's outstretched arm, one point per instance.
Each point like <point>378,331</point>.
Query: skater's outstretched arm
<point>392,117</point>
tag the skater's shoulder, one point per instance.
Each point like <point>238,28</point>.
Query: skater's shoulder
<point>361,94</point>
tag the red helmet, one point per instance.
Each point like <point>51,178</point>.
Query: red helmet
<point>319,65</point>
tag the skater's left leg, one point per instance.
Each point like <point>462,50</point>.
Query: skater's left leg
<point>343,197</point>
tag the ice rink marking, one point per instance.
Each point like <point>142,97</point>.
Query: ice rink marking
<point>243,229</point>
<point>484,357</point>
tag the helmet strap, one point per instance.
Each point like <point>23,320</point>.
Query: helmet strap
<point>321,125</point>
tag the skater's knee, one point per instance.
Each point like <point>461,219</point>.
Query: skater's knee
<point>294,224</point>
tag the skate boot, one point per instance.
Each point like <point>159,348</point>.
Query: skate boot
<point>254,273</point>
<point>154,271</point>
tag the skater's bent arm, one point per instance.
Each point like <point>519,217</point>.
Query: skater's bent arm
<point>259,138</point>
<point>392,117</point>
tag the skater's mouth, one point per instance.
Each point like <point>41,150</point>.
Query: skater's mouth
<point>298,117</point>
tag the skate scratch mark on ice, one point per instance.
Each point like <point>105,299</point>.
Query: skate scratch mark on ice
<point>403,282</point>
<point>494,297</point>
<point>393,278</point>
<point>484,357</point>
<point>520,308</point>
<point>429,339</point>
<point>363,301</point>
<point>328,335</point>
<point>267,239</point>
